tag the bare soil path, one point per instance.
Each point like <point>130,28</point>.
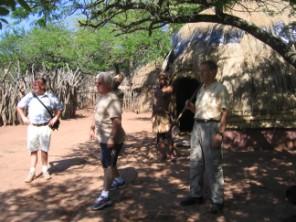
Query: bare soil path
<point>255,180</point>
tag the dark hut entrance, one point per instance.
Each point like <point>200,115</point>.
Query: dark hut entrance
<point>184,88</point>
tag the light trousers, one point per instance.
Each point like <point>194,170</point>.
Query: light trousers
<point>206,162</point>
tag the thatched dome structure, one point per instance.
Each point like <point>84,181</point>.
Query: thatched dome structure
<point>262,85</point>
<point>142,83</point>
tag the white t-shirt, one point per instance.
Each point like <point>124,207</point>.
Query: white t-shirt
<point>107,107</point>
<point>37,113</point>
<point>210,101</point>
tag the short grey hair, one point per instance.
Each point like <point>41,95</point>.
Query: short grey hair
<point>106,77</point>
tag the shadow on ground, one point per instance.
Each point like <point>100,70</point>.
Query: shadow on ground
<point>255,184</point>
<point>62,165</point>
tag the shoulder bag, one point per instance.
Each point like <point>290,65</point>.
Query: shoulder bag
<point>56,125</point>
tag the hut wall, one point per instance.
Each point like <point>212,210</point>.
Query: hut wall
<point>142,82</point>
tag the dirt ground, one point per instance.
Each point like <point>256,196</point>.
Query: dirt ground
<point>255,180</point>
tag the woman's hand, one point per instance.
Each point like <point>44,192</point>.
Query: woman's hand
<point>92,133</point>
<point>110,143</point>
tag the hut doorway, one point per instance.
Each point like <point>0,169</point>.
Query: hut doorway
<point>184,87</point>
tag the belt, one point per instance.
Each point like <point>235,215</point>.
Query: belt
<point>207,120</point>
<point>40,124</point>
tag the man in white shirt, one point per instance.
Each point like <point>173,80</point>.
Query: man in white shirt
<point>39,121</point>
<point>210,114</point>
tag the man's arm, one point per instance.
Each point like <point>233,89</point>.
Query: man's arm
<point>92,133</point>
<point>21,112</point>
<point>218,138</point>
<point>58,110</point>
<point>167,89</point>
<point>225,110</point>
<point>57,115</point>
<point>223,121</point>
<point>22,105</point>
<point>190,106</point>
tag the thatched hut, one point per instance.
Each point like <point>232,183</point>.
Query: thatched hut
<point>261,84</point>
<point>141,86</point>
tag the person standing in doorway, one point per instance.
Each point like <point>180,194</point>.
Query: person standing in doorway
<point>39,121</point>
<point>210,114</point>
<point>161,119</point>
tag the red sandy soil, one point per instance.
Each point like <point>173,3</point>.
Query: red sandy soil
<point>255,179</point>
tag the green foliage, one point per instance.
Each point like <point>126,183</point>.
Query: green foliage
<point>87,49</point>
<point>43,11</point>
<point>185,9</point>
<point>6,6</point>
<point>4,11</point>
<point>20,13</point>
<point>105,49</point>
<point>293,4</point>
<point>45,47</point>
<point>90,50</point>
<point>128,16</point>
<point>9,49</point>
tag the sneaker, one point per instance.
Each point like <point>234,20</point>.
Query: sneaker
<point>117,185</point>
<point>46,175</point>
<point>191,201</point>
<point>30,177</point>
<point>101,202</point>
<point>216,208</point>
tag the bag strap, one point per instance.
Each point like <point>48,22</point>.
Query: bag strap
<point>34,95</point>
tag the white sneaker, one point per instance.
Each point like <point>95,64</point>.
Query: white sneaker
<point>46,175</point>
<point>101,202</point>
<point>30,177</point>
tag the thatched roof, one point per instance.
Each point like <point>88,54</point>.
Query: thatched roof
<point>145,75</point>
